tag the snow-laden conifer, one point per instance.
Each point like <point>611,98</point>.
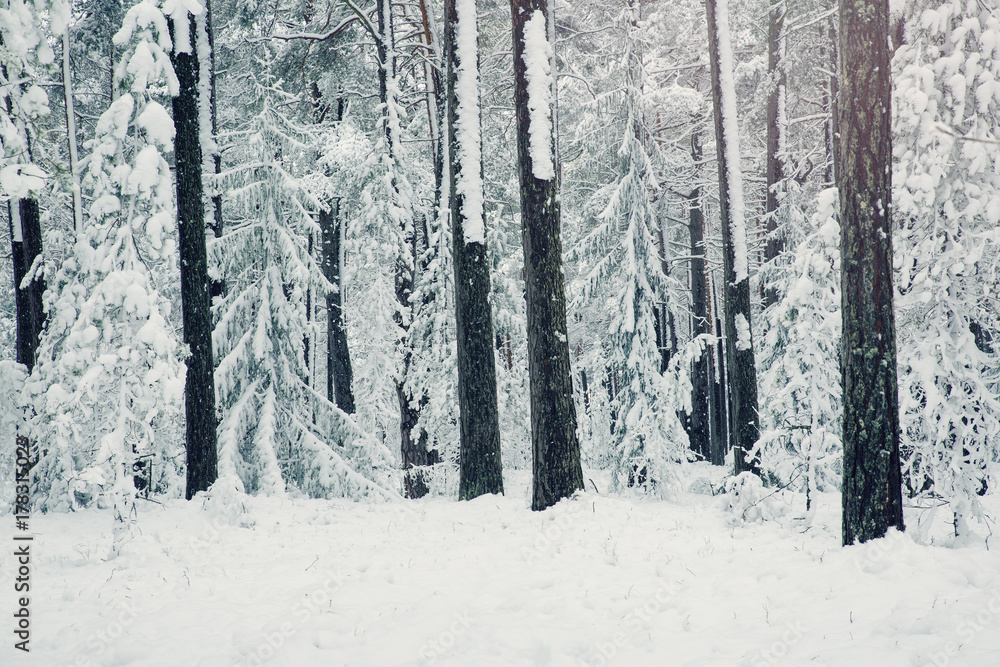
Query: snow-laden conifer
<point>946,194</point>
<point>109,380</point>
<point>647,438</point>
<point>278,433</point>
<point>434,365</point>
<point>800,361</point>
<point>25,53</point>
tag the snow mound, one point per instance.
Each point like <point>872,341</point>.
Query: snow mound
<point>747,501</point>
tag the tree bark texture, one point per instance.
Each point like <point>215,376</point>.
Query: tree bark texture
<point>664,327</point>
<point>720,404</point>
<point>216,223</point>
<point>872,490</point>
<point>217,287</point>
<point>480,469</point>
<point>744,429</point>
<point>199,388</point>
<point>26,246</point>
<point>413,440</point>
<point>339,373</point>
<point>699,432</point>
<point>774,168</point>
<point>556,451</point>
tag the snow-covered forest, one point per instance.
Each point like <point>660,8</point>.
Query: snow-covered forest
<point>566,332</point>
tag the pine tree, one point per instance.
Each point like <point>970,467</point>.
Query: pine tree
<point>398,201</point>
<point>947,190</point>
<point>699,427</point>
<point>339,373</point>
<point>649,440</point>
<point>775,137</point>
<point>800,361</point>
<point>192,119</point>
<point>109,367</point>
<point>24,57</point>
<point>557,469</point>
<point>480,466</point>
<point>872,495</point>
<point>740,366</point>
<point>277,432</point>
<point>433,369</point>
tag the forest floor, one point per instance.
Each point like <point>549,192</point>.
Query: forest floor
<point>596,580</point>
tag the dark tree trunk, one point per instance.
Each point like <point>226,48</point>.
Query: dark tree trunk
<point>339,374</point>
<point>610,383</point>
<point>216,222</point>
<point>556,451</point>
<point>872,489</point>
<point>663,318</point>
<point>199,388</point>
<point>436,101</point>
<point>699,432</point>
<point>742,374</point>
<point>413,444</point>
<point>217,287</point>
<point>722,414</point>
<point>774,171</point>
<point>480,469</point>
<point>413,440</point>
<point>307,337</point>
<point>26,246</point>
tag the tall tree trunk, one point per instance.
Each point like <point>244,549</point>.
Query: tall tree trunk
<point>775,139</point>
<point>74,159</point>
<point>339,371</point>
<point>556,469</point>
<point>413,440</point>
<point>742,373</point>
<point>436,109</point>
<point>872,489</point>
<point>26,247</point>
<point>480,469</point>
<point>199,388</point>
<point>211,155</point>
<point>339,374</point>
<point>663,319</point>
<point>699,432</point>
<point>721,413</point>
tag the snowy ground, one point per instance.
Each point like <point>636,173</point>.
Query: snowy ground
<point>594,581</point>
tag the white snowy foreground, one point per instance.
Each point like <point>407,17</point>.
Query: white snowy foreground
<point>597,580</point>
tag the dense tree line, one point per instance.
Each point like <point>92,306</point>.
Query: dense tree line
<point>298,221</point>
